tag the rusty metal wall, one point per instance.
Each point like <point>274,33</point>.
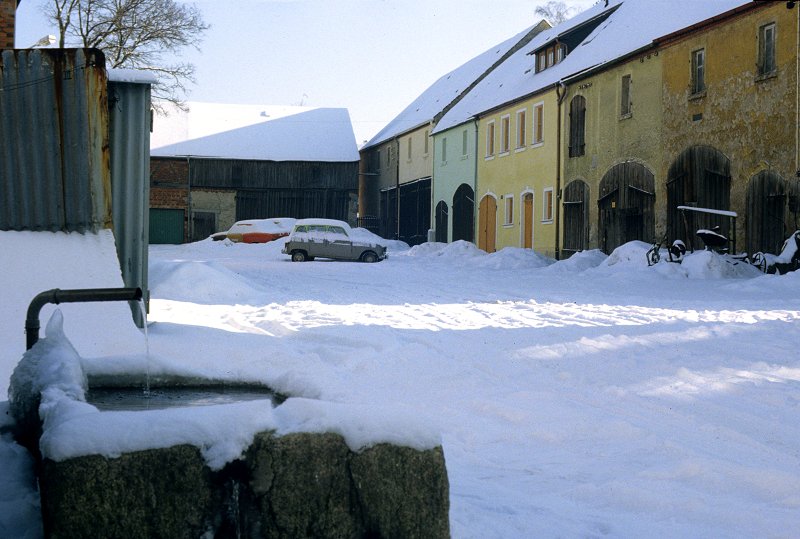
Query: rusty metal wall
<point>54,172</point>
<point>129,138</point>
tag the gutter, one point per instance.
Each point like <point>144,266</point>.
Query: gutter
<point>557,203</point>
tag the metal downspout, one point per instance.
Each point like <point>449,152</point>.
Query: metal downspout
<point>190,223</point>
<point>561,93</point>
<point>397,183</point>
<point>475,184</point>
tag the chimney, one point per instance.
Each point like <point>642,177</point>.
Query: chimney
<point>8,10</point>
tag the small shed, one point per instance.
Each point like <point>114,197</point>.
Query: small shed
<point>215,164</point>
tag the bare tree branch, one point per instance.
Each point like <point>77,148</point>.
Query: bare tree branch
<point>134,34</point>
<point>555,11</point>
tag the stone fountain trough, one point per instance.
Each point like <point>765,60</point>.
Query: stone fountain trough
<point>251,464</point>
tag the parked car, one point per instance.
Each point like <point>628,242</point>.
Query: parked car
<point>328,238</point>
<point>257,230</point>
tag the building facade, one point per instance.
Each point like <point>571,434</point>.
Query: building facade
<point>612,153</point>
<point>730,125</point>
<point>517,172</point>
<point>454,170</point>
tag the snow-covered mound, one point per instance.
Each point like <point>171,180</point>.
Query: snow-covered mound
<point>580,261</point>
<point>710,265</point>
<point>515,258</point>
<point>206,282</point>
<point>629,255</point>
<point>457,250</point>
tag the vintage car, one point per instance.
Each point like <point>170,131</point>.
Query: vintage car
<point>257,230</point>
<point>329,238</point>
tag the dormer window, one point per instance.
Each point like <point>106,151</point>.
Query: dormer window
<point>550,56</point>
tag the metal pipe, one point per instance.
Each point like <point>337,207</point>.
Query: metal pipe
<point>83,295</point>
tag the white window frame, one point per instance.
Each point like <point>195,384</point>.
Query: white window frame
<point>538,130</point>
<point>626,103</point>
<point>522,128</point>
<point>766,69</point>
<point>464,144</point>
<point>508,204</point>
<point>505,134</point>
<point>698,81</point>
<point>547,212</point>
<point>491,134</point>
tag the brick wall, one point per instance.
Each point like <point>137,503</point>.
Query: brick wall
<point>169,183</point>
<point>168,197</point>
<point>7,17</point>
<point>168,171</point>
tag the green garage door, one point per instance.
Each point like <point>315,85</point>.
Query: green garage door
<point>166,226</point>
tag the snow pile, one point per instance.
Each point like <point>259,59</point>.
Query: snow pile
<point>514,258</point>
<point>51,368</point>
<point>458,250</point>
<point>626,256</point>
<point>580,261</point>
<point>209,281</point>
<point>20,511</point>
<point>711,265</point>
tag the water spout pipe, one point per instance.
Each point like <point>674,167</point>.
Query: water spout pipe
<point>83,295</point>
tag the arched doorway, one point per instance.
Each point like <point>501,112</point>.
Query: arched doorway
<point>527,220</point>
<point>487,224</point>
<point>699,177</point>
<point>464,213</point>
<point>766,211</point>
<point>576,217</point>
<point>441,221</point>
<point>625,204</point>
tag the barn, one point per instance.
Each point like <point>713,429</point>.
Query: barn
<point>215,164</point>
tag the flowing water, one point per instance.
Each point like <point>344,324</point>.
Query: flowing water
<point>143,309</point>
<point>159,398</point>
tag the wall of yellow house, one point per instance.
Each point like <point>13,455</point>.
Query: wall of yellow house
<point>613,135</point>
<point>749,118</point>
<point>415,155</point>
<point>528,168</point>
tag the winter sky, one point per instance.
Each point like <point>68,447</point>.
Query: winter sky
<point>372,57</point>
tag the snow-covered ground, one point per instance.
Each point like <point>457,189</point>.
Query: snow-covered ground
<point>590,397</point>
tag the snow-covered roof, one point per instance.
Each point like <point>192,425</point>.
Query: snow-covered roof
<point>270,133</point>
<point>633,25</point>
<point>444,91</point>
<point>138,76</point>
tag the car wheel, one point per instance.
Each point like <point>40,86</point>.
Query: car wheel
<point>298,256</point>
<point>369,257</point>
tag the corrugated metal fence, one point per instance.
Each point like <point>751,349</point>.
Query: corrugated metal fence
<point>54,154</point>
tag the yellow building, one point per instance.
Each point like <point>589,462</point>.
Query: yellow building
<point>730,125</point>
<point>517,175</point>
<point>611,140</point>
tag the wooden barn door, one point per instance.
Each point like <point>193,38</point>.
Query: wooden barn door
<point>487,224</point>
<point>576,217</point>
<point>527,209</point>
<point>766,210</point>
<point>464,213</point>
<point>700,177</point>
<point>626,202</point>
<point>441,221</point>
